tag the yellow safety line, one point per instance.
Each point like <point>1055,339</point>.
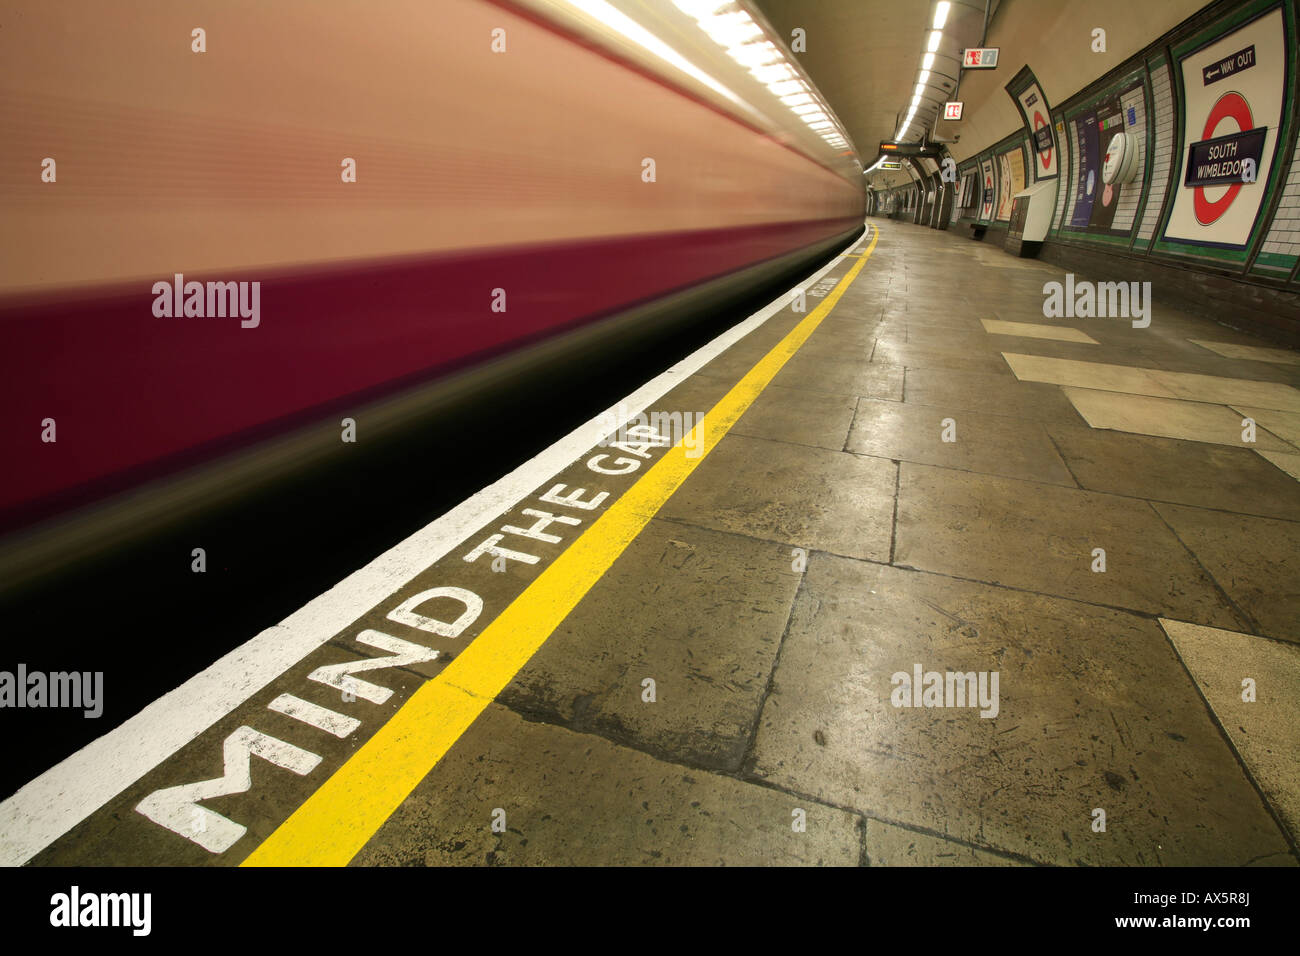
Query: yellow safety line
<point>335,822</point>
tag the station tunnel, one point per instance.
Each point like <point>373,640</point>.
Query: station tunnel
<point>650,432</point>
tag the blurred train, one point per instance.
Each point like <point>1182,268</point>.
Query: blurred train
<point>225,227</point>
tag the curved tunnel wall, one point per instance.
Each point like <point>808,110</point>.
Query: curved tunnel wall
<point>1231,251</point>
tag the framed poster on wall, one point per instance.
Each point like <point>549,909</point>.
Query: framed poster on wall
<point>1099,208</point>
<point>989,190</point>
<point>1011,179</point>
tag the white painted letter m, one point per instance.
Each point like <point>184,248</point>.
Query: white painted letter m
<point>176,808</point>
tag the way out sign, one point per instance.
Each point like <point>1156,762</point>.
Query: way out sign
<point>952,110</point>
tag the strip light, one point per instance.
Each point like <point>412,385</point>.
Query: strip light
<point>629,28</point>
<point>733,29</point>
<point>932,42</point>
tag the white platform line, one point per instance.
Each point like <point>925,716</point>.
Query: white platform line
<point>53,803</point>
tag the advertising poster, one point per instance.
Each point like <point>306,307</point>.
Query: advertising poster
<point>1095,202</point>
<point>986,176</point>
<point>1110,120</point>
<point>1087,163</point>
<point>968,198</point>
<point>1233,91</point>
<point>1011,179</point>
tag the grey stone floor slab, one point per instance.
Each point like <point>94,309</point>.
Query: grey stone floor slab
<point>1095,711</point>
<point>732,364</point>
<point>1056,332</point>
<point>889,845</point>
<point>988,444</point>
<point>1160,383</point>
<point>1041,538</point>
<point>840,347</point>
<point>939,356</point>
<point>1286,425</point>
<point>1201,364</point>
<point>1170,418</point>
<point>572,799</point>
<point>1289,463</point>
<point>929,337</point>
<point>1255,560</point>
<point>842,375</point>
<point>939,319</point>
<point>801,416</point>
<point>851,336</point>
<point>698,612</point>
<point>1110,353</point>
<point>1261,721</point>
<point>993,394</point>
<point>800,496</point>
<point>1252,352</point>
<point>1183,472</point>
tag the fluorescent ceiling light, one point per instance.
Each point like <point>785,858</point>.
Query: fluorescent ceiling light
<point>731,29</point>
<point>787,87</point>
<point>933,44</point>
<point>625,25</point>
<point>941,14</point>
<point>924,77</point>
<point>699,8</point>
<point>744,42</point>
<point>927,61</point>
<point>756,55</point>
<point>772,73</point>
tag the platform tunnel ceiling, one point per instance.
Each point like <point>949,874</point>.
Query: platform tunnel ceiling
<point>865,56</point>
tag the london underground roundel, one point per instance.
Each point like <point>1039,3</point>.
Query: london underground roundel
<point>1233,79</point>
<point>1045,157</point>
<point>1231,108</point>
